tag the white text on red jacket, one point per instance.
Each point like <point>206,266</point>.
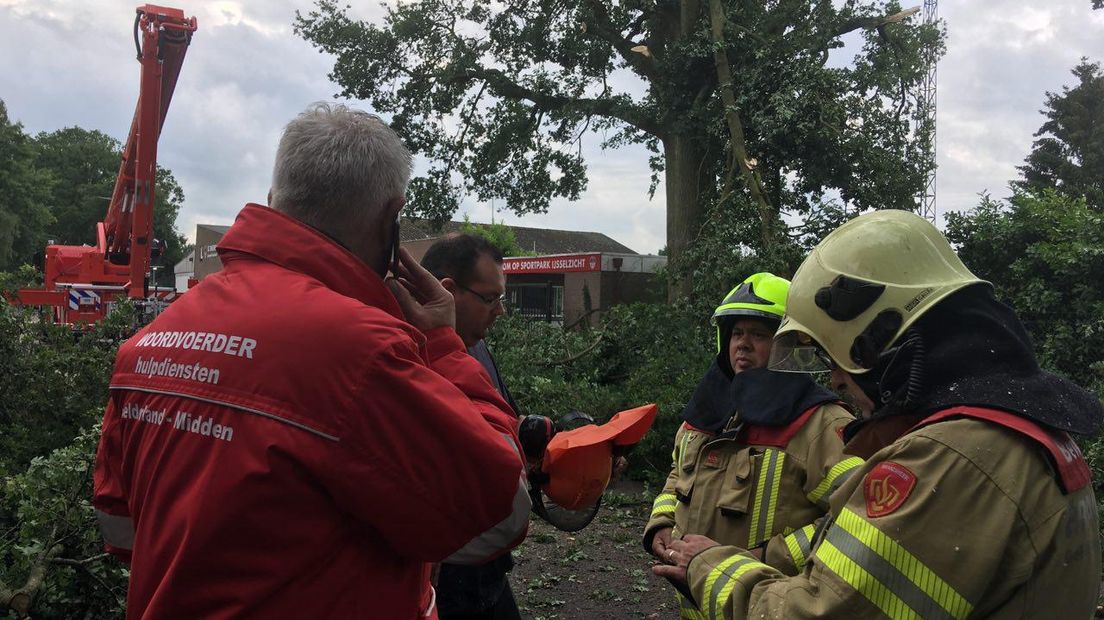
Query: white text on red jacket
<point>238,346</point>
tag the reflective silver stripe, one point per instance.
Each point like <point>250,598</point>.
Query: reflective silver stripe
<point>798,543</point>
<point>720,589</point>
<point>432,602</point>
<point>513,444</point>
<point>897,583</point>
<point>766,497</point>
<point>500,536</point>
<point>116,531</point>
<point>664,504</point>
<point>836,476</point>
<point>687,609</point>
<point>213,401</point>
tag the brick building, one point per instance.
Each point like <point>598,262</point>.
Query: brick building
<point>573,275</point>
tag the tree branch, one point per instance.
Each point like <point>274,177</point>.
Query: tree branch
<point>504,87</point>
<point>572,358</point>
<point>83,565</point>
<point>735,126</point>
<point>20,601</point>
<point>84,562</point>
<point>603,28</point>
<point>868,23</point>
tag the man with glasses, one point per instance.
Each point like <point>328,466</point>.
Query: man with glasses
<point>470,268</point>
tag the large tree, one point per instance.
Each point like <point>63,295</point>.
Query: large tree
<point>1068,153</point>
<point>738,99</point>
<point>85,164</point>
<point>24,195</point>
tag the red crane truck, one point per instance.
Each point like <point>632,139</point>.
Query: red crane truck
<point>82,282</point>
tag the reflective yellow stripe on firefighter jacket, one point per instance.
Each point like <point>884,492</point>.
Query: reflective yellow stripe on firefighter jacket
<point>959,519</point>
<point>743,489</point>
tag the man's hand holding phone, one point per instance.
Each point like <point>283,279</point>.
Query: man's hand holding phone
<point>425,303</point>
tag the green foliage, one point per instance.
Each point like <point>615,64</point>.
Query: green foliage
<point>500,236</point>
<point>57,186</point>
<point>51,377</point>
<point>24,196</point>
<point>54,382</point>
<point>1068,154</point>
<point>49,522</point>
<point>84,164</point>
<point>1044,253</point>
<point>638,354</point>
<point>728,250</point>
<point>500,98</point>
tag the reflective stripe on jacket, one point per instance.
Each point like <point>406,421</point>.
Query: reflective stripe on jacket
<point>964,518</point>
<point>755,486</point>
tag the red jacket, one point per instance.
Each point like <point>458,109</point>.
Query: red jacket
<point>280,443</point>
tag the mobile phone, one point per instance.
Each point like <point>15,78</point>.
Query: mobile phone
<point>395,247</point>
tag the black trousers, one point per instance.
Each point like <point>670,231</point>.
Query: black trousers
<point>505,609</point>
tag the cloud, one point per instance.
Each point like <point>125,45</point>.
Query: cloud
<point>246,74</point>
<point>1002,57</point>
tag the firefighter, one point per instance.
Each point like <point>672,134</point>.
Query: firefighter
<point>974,501</point>
<point>759,452</point>
<point>296,436</point>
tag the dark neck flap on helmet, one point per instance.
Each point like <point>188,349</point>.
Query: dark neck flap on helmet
<point>760,396</point>
<point>971,349</point>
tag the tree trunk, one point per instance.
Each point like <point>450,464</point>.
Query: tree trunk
<point>685,216</point>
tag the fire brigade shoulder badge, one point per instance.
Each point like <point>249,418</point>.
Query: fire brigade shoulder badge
<point>886,487</point>
<point>713,459</point>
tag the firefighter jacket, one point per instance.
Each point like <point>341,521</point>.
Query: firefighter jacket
<point>976,513</point>
<point>746,484</point>
<point>280,443</point>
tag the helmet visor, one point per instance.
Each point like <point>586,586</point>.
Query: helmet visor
<point>795,351</point>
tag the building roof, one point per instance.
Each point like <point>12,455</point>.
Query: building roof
<point>537,240</point>
<point>218,229</point>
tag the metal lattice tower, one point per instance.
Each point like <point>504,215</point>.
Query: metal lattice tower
<point>925,118</point>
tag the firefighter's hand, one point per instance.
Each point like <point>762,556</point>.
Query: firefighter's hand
<point>425,303</point>
<point>679,553</point>
<point>660,542</point>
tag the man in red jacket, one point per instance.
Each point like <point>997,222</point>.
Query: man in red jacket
<point>292,438</point>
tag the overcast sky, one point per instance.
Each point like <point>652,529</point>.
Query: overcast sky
<point>66,63</point>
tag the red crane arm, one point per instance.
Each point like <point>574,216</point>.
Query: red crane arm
<point>161,36</point>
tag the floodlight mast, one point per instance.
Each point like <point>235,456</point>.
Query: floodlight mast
<point>926,120</point>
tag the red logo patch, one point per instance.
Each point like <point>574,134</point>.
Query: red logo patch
<point>713,459</point>
<point>886,487</point>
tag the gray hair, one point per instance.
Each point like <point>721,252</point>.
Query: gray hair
<point>337,167</point>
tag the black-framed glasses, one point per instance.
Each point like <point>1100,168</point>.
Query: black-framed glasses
<point>490,300</point>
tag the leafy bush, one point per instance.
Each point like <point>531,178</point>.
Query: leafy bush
<point>638,354</point>
<point>51,544</point>
<point>52,377</point>
<point>54,382</point>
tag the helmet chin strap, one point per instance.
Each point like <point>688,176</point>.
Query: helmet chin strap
<point>896,382</point>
